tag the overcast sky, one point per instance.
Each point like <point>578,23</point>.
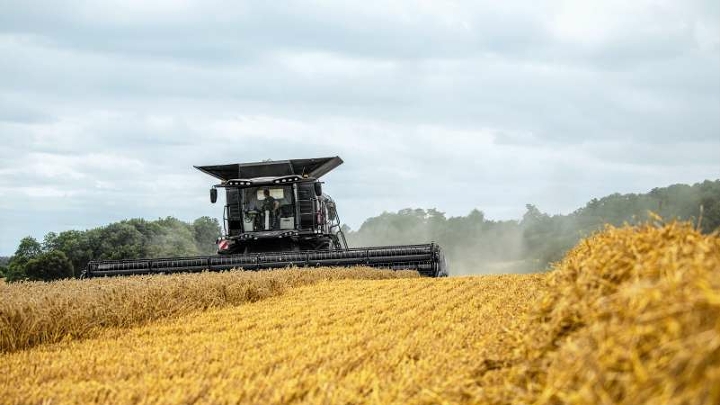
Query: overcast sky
<point>106,105</point>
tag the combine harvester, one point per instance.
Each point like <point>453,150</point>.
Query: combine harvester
<point>276,216</point>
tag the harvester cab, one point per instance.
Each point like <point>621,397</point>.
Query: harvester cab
<point>276,215</point>
<point>277,206</point>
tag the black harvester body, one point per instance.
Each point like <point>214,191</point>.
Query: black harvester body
<point>277,216</point>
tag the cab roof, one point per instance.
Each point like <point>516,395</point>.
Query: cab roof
<point>315,168</point>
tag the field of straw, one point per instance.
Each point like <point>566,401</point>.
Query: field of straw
<point>630,316</point>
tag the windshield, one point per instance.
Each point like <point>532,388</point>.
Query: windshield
<point>268,208</point>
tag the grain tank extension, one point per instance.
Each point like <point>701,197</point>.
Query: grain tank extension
<point>276,215</point>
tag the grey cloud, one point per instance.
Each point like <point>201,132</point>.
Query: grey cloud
<point>554,104</point>
<point>238,32</point>
<point>235,31</point>
<point>103,110</point>
<point>14,110</point>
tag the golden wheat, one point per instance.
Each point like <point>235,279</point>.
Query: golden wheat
<point>631,315</point>
<point>335,342</point>
<point>34,313</point>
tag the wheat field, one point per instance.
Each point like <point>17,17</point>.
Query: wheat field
<point>631,315</point>
<point>36,312</point>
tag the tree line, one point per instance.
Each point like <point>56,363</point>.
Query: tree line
<point>472,243</point>
<point>475,244</point>
<point>65,254</point>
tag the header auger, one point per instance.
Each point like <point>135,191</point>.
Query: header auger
<point>275,216</point>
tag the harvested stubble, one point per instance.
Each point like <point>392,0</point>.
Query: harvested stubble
<point>34,313</point>
<point>632,315</point>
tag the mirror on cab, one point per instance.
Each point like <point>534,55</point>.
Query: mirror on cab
<point>318,189</point>
<point>213,195</point>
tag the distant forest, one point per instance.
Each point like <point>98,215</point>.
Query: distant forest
<point>477,245</point>
<point>473,243</point>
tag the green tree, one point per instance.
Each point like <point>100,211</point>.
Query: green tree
<point>50,242</point>
<point>533,216</point>
<point>78,246</point>
<point>28,249</point>
<point>49,266</point>
<point>119,241</point>
<point>15,272</point>
<point>711,217</point>
<point>173,238</point>
<point>207,231</point>
<point>3,265</point>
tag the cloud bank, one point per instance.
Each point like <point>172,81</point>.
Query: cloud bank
<point>104,108</point>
